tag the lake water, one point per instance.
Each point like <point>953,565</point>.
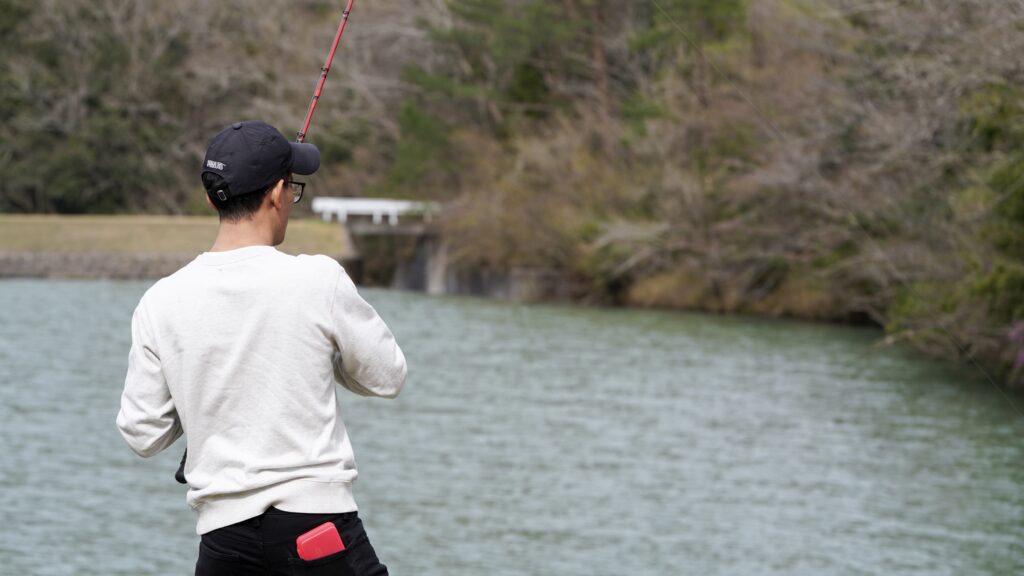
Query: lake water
<point>550,441</point>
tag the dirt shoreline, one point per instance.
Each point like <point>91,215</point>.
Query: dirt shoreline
<point>91,265</point>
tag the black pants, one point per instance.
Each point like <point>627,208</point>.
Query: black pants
<point>265,545</point>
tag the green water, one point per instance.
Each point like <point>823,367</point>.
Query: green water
<point>548,440</point>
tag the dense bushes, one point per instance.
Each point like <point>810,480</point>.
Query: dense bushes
<point>827,160</point>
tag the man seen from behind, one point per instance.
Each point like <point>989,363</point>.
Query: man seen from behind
<point>240,351</point>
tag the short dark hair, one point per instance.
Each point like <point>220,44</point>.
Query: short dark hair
<point>234,208</point>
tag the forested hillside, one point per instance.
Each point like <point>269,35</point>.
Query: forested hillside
<point>826,159</point>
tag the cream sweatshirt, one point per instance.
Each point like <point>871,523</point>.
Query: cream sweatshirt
<point>240,352</point>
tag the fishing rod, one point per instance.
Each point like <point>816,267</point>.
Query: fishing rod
<point>324,70</point>
<point>300,137</point>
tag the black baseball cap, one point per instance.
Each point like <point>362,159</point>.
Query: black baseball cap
<point>251,155</point>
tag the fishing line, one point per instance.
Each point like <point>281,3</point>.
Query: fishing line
<point>780,136</point>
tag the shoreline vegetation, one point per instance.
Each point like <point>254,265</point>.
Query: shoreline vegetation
<point>150,247</point>
<point>822,159</point>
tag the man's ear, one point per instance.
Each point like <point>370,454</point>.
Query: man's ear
<point>276,195</point>
<point>209,202</point>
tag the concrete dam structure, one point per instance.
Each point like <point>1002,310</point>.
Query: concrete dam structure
<point>427,271</point>
<point>428,267</point>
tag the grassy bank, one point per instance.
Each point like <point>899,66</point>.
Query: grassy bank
<point>147,235</point>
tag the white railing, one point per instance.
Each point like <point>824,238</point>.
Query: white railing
<point>376,208</point>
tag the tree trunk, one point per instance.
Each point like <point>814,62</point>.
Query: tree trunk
<point>600,64</point>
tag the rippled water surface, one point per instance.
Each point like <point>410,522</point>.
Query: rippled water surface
<point>550,441</point>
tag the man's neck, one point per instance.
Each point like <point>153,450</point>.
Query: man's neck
<point>234,235</point>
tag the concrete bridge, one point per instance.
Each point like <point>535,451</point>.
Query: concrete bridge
<point>376,209</point>
<point>381,217</point>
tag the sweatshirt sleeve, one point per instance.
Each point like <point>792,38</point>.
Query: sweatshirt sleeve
<point>369,361</point>
<point>148,419</point>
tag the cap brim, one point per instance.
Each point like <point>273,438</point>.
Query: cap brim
<point>305,158</point>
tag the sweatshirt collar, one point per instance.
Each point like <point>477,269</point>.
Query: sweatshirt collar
<point>236,255</point>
